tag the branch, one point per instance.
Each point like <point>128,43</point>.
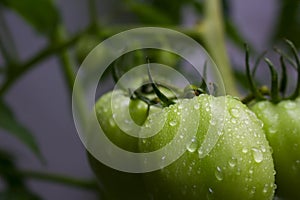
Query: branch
<point>47,52</point>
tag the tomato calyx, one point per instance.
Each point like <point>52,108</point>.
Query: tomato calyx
<point>277,91</point>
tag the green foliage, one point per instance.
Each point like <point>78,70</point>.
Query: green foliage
<point>15,185</point>
<point>9,123</point>
<point>41,14</point>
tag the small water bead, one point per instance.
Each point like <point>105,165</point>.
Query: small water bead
<point>192,146</point>
<point>238,172</point>
<point>235,112</point>
<point>220,133</point>
<point>233,120</point>
<point>250,171</point>
<point>219,174</point>
<point>196,106</point>
<point>266,187</point>
<point>253,189</point>
<point>257,155</point>
<point>232,162</point>
<point>172,123</point>
<point>272,130</point>
<point>200,152</point>
<point>144,141</point>
<point>245,150</point>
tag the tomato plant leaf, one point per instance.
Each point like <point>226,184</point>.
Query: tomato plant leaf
<point>148,14</point>
<point>41,14</point>
<point>9,123</point>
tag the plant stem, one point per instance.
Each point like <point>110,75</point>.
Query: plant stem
<point>7,45</point>
<point>55,178</point>
<point>65,59</point>
<point>93,14</point>
<point>214,38</point>
<point>21,69</point>
<point>26,66</point>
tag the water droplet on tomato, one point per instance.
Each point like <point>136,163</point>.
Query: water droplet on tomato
<point>257,155</point>
<point>219,174</point>
<point>235,112</point>
<point>192,146</point>
<point>172,123</point>
<point>232,162</point>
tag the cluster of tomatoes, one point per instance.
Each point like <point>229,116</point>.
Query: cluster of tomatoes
<point>256,156</point>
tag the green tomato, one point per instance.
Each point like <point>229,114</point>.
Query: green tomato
<point>239,166</point>
<point>116,184</point>
<point>282,128</point>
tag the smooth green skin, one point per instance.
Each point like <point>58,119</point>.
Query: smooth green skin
<point>115,184</point>
<point>240,166</point>
<point>282,128</point>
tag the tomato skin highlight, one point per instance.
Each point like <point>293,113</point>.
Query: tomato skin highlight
<point>282,128</point>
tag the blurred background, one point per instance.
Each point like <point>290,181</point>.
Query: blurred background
<point>43,42</point>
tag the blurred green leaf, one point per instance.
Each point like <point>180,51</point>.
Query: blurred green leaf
<point>18,194</point>
<point>15,188</point>
<point>9,123</point>
<point>41,14</point>
<point>148,14</point>
<point>288,22</point>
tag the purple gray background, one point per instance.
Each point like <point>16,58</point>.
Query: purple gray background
<point>41,102</point>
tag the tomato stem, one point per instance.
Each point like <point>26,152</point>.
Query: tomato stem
<point>274,82</point>
<point>294,50</point>
<point>283,82</point>
<point>203,84</point>
<point>253,88</point>
<point>260,57</point>
<point>165,101</point>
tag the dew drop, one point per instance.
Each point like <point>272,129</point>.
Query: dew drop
<point>245,150</point>
<point>200,152</point>
<point>234,112</point>
<point>265,190</point>
<point>232,162</point>
<point>196,106</point>
<point>250,171</point>
<point>272,130</point>
<point>219,174</point>
<point>253,189</point>
<point>257,155</point>
<point>192,146</point>
<point>172,123</point>
<point>220,133</point>
<point>233,120</point>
